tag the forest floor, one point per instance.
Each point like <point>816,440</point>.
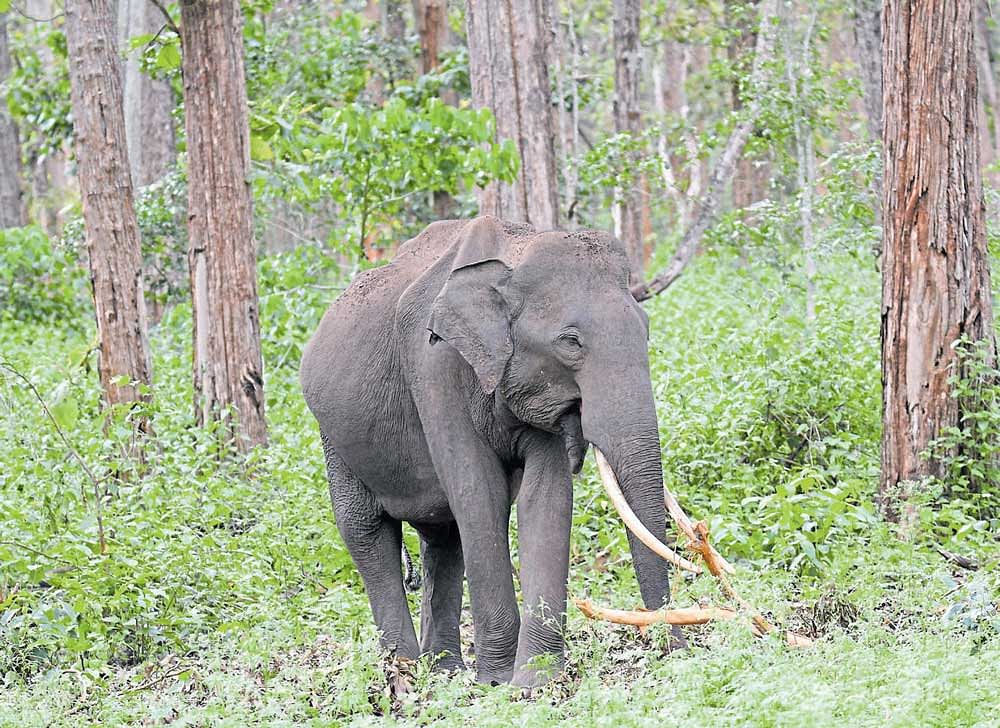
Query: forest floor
<point>226,597</point>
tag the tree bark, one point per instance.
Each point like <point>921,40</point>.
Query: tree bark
<point>989,125</point>
<point>228,367</point>
<point>431,19</point>
<point>507,68</point>
<point>935,281</point>
<point>149,125</point>
<point>628,120</point>
<point>749,179</point>
<point>12,211</point>
<point>106,192</point>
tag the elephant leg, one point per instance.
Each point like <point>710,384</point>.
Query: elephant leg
<point>441,606</point>
<point>544,518</point>
<point>374,541</point>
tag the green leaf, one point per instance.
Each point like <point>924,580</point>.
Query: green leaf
<point>64,407</point>
<point>4,6</point>
<point>169,58</point>
<point>260,150</point>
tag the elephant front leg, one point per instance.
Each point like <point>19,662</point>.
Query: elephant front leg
<point>544,517</point>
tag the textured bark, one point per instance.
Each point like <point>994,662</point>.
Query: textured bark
<point>988,124</point>
<point>149,126</point>
<point>106,192</point>
<point>868,48</point>
<point>750,178</point>
<point>936,282</point>
<point>628,120</point>
<point>228,368</point>
<point>431,19</point>
<point>11,193</point>
<point>507,68</point>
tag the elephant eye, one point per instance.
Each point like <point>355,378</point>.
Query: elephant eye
<point>571,339</point>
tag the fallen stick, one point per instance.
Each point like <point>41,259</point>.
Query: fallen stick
<point>639,618</point>
<point>698,541</point>
<point>684,617</point>
<point>695,542</point>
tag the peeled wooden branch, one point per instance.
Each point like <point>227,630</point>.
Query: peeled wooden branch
<point>695,543</point>
<point>639,618</point>
<point>632,521</point>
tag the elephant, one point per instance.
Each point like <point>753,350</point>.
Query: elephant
<point>469,374</point>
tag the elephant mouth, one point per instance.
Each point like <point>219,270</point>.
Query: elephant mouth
<point>570,428</point>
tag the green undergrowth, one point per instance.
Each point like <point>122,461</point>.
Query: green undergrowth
<point>227,598</point>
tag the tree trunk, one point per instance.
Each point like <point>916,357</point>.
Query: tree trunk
<point>228,368</point>
<point>106,192</point>
<point>750,179</point>
<point>989,125</point>
<point>507,68</point>
<point>628,120</point>
<point>936,281</point>
<point>431,19</point>
<point>11,193</point>
<point>149,126</point>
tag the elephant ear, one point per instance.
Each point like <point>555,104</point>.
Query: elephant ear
<point>470,312</point>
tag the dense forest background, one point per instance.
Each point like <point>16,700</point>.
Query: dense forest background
<point>149,572</point>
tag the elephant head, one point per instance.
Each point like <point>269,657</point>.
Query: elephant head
<point>548,324</point>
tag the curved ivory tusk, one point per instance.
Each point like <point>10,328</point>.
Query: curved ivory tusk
<point>632,521</point>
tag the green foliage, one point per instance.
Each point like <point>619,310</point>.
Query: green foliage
<point>37,89</point>
<point>336,123</point>
<point>39,281</point>
<point>965,498</point>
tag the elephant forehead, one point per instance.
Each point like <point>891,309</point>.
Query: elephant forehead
<point>564,258</point>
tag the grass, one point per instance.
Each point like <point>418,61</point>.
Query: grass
<point>227,598</point>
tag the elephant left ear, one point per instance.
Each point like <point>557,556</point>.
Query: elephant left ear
<point>471,313</point>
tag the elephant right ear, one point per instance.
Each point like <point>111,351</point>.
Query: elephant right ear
<point>470,312</point>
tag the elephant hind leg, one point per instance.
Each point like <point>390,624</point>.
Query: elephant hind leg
<point>375,543</point>
<point>441,605</point>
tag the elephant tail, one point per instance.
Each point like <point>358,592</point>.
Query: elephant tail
<point>411,575</point>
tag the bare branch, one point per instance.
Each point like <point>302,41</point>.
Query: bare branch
<point>724,167</point>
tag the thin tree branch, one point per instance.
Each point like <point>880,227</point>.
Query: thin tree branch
<point>725,167</point>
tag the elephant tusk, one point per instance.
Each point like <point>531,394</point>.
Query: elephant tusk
<point>632,521</point>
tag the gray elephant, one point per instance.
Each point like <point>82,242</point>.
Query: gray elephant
<point>469,374</point>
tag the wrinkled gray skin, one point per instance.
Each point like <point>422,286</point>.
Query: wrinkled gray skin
<point>471,372</point>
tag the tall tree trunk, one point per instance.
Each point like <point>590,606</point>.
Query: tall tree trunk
<point>867,22</point>
<point>149,125</point>
<point>750,179</point>
<point>936,281</point>
<point>228,367</point>
<point>11,194</point>
<point>507,67</point>
<point>431,19</point>
<point>106,192</point>
<point>628,120</point>
<point>989,125</point>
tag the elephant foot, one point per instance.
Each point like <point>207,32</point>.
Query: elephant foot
<point>446,661</point>
<point>538,672</point>
<point>494,677</point>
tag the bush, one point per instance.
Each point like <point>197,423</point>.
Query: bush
<point>39,281</point>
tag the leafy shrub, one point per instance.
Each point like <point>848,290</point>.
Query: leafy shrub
<point>39,281</point>
<point>965,499</point>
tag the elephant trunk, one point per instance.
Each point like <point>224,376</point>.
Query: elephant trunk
<point>623,429</point>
